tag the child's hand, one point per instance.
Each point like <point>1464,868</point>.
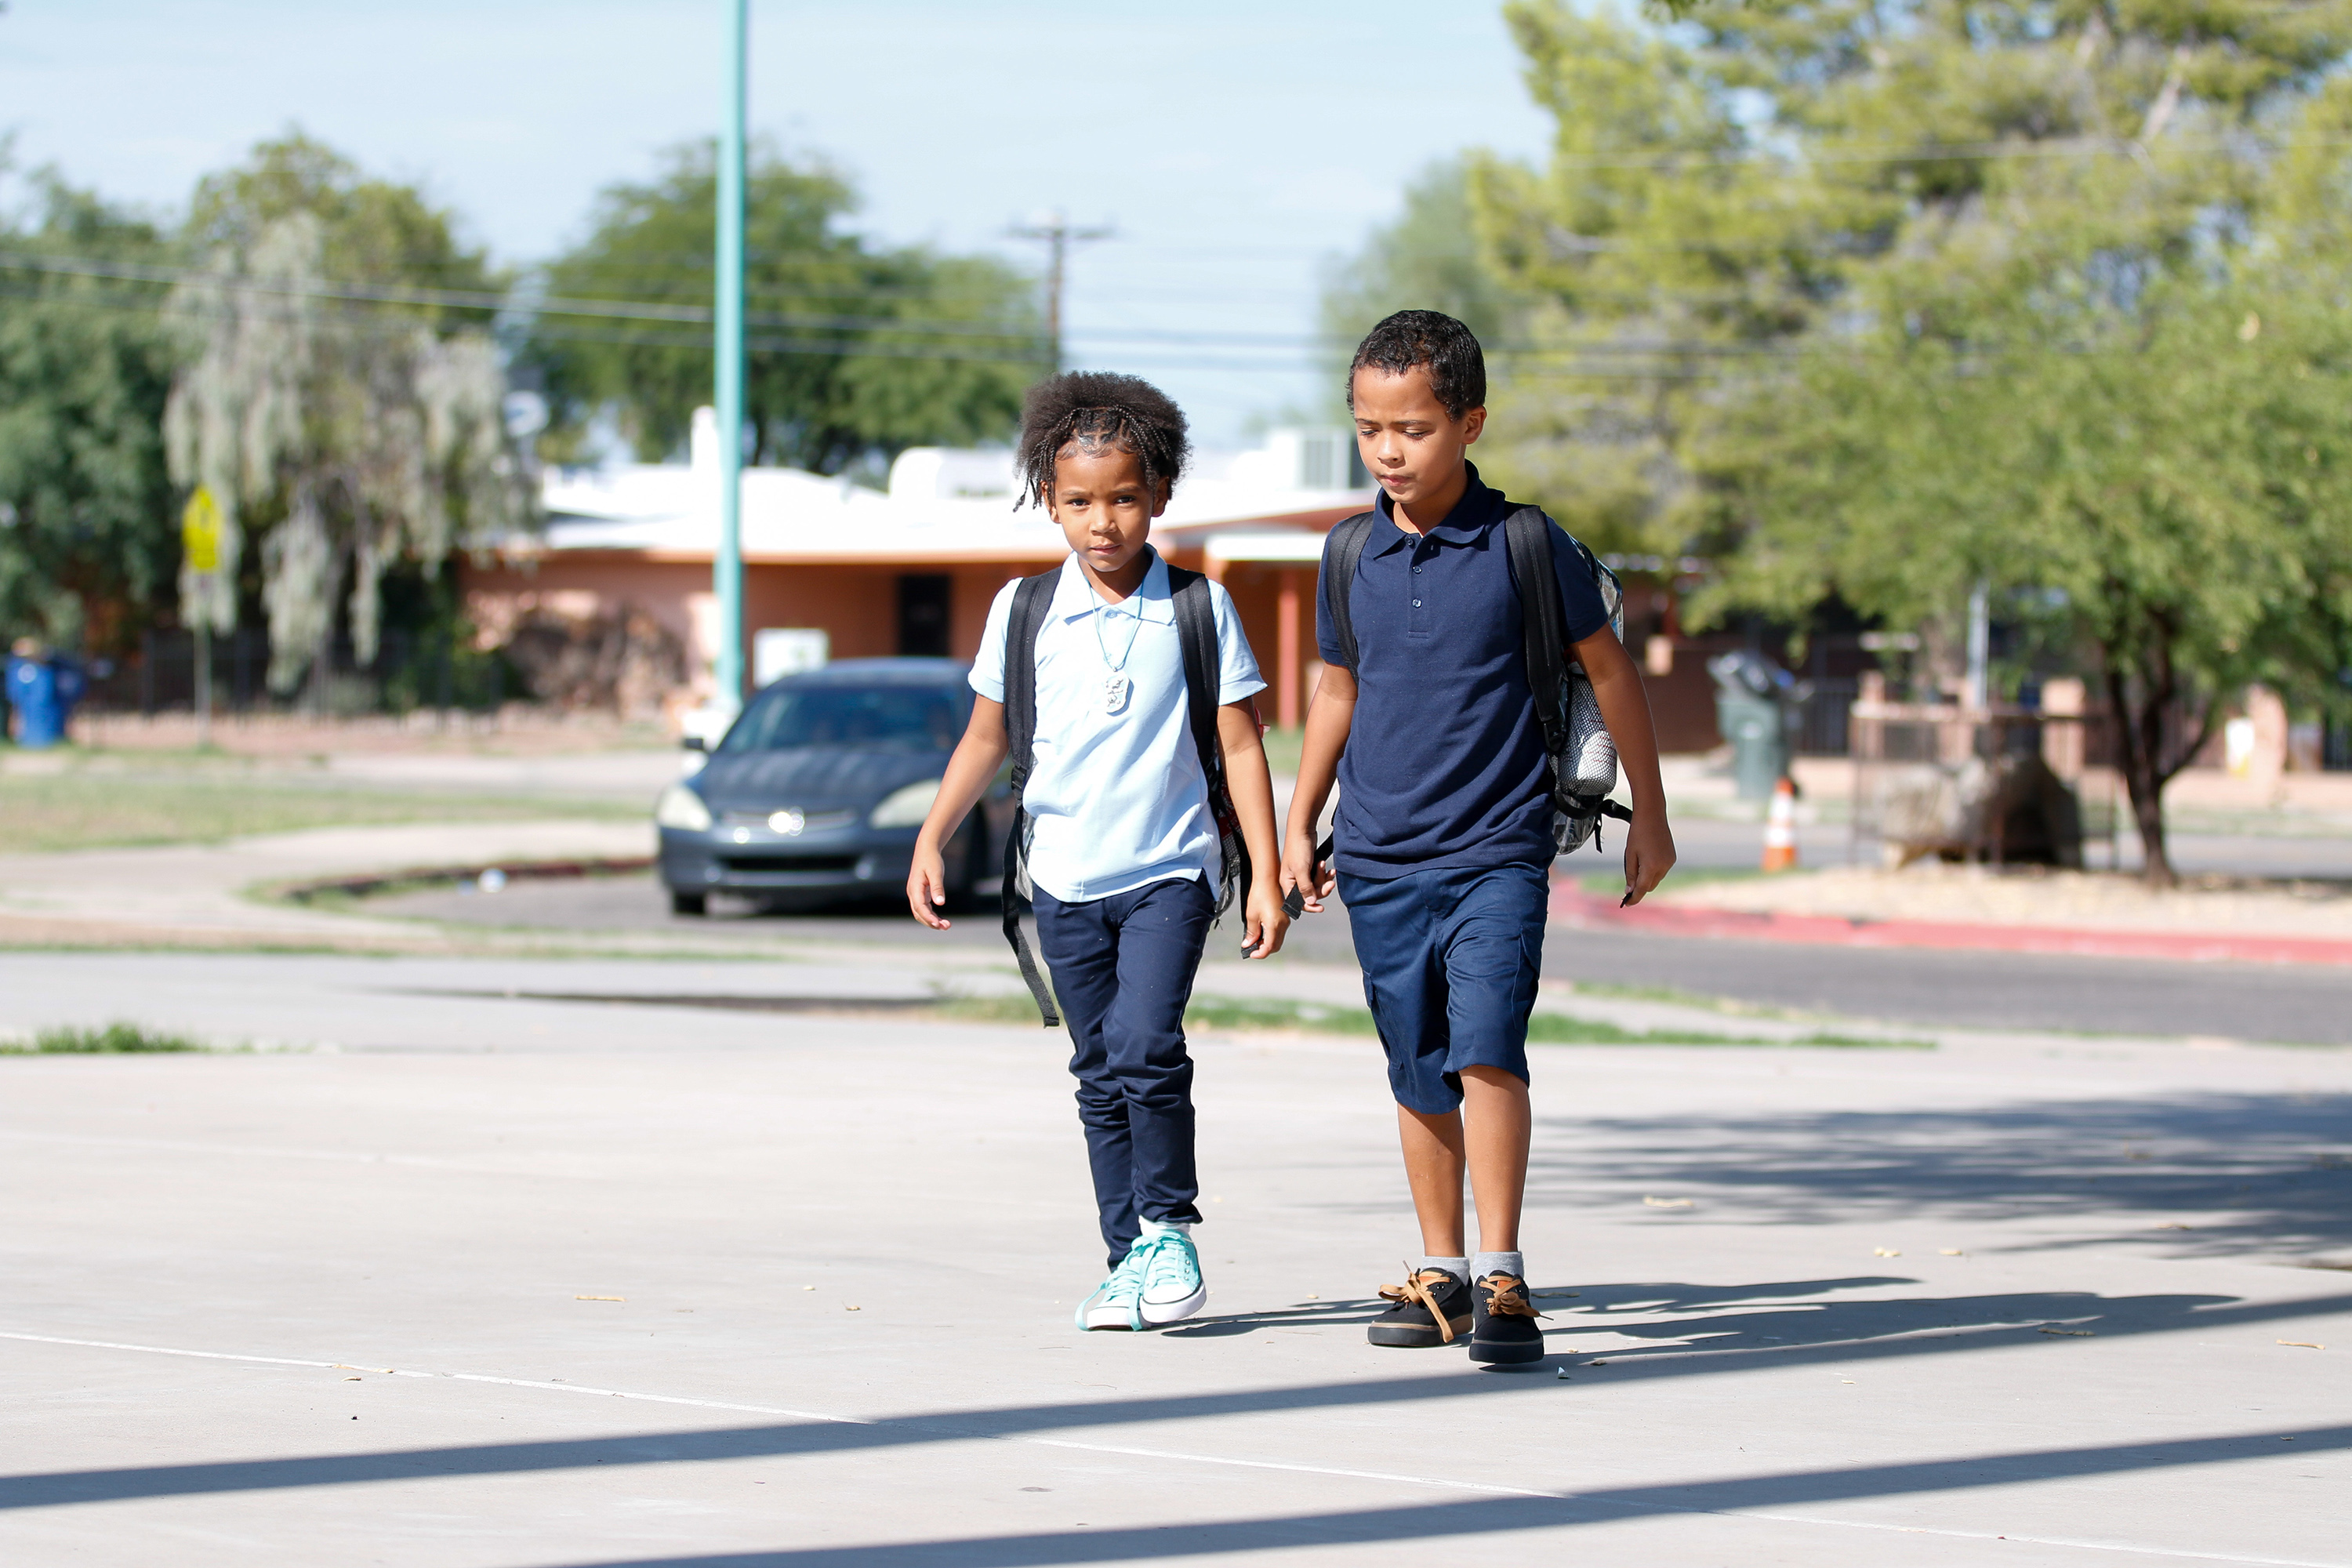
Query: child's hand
<point>1300,869</point>
<point>1266,925</point>
<point>1649,853</point>
<point>927,887</point>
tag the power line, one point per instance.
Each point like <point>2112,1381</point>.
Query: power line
<point>1666,160</point>
<point>1537,365</point>
<point>696,315</point>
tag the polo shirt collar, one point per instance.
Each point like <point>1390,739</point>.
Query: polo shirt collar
<point>1472,515</point>
<point>1075,597</point>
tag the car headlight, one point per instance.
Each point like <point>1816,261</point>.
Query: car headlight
<point>907,806</point>
<point>680,807</point>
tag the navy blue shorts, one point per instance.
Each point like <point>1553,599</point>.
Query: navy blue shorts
<point>1450,959</point>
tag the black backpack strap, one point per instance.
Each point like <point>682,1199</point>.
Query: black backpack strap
<point>1030,601</point>
<point>1528,537</point>
<point>1196,635</point>
<point>1340,554</point>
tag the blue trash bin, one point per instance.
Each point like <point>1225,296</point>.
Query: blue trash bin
<point>43,690</point>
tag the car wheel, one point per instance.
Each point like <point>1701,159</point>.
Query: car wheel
<point>689,903</point>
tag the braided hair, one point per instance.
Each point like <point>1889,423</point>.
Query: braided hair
<point>1098,410</point>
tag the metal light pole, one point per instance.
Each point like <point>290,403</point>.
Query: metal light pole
<point>727,566</point>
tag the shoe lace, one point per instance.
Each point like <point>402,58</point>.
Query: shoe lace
<point>1123,1287</point>
<point>1507,1297</point>
<point>1421,1289</point>
<point>1163,1258</point>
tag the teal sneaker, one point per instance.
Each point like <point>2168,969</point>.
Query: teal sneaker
<point>1172,1288</point>
<point>1118,1302</point>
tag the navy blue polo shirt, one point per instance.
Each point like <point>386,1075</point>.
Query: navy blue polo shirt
<point>1445,765</point>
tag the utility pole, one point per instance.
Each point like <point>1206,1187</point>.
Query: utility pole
<point>726,565</point>
<point>1980,646</point>
<point>1058,236</point>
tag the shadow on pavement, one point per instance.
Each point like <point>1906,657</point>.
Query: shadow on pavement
<point>1747,1495</point>
<point>2229,1173</point>
<point>1838,1334</point>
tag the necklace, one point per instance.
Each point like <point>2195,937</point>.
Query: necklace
<point>1116,688</point>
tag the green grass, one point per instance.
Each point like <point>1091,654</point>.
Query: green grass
<point>112,1039</point>
<point>1544,1028</point>
<point>1282,750</point>
<point>78,809</point>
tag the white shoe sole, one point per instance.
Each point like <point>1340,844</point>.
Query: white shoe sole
<point>1110,1318</point>
<point>1159,1313</point>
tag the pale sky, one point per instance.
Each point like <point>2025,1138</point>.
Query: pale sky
<point>1235,147</point>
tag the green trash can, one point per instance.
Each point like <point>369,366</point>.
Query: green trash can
<point>1755,711</point>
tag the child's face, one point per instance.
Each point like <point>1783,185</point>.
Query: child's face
<point>1411,445</point>
<point>1104,507</point>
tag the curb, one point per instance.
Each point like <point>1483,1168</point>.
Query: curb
<point>365,882</point>
<point>1598,912</point>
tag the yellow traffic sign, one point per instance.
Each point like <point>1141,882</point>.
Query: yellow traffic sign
<point>199,532</point>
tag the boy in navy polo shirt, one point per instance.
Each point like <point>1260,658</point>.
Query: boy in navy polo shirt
<point>1443,831</point>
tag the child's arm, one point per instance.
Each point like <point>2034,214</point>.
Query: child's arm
<point>977,757</point>
<point>1625,707</point>
<point>1329,719</point>
<point>1252,787</point>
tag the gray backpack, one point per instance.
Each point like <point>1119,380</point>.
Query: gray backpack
<point>1584,757</point>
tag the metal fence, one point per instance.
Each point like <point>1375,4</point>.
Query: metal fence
<point>409,672</point>
<point>1826,721</point>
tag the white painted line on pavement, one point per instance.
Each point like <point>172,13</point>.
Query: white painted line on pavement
<point>1433,1482</point>
<point>452,1376</point>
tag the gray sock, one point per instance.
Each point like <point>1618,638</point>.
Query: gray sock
<point>1510,1263</point>
<point>1457,1266</point>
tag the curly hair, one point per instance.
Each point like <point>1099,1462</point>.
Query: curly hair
<point>1098,412</point>
<point>1457,366</point>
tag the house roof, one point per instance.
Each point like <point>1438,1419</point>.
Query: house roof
<point>942,506</point>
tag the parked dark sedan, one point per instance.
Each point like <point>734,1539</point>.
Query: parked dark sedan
<point>817,790</point>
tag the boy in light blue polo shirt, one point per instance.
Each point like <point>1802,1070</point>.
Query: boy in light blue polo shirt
<point>1125,861</point>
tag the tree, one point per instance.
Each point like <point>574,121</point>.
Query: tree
<point>1426,260</point>
<point>2031,295</point>
<point>86,545</point>
<point>347,432</point>
<point>854,352</point>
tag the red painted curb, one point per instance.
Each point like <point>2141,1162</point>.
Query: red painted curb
<point>1598,911</point>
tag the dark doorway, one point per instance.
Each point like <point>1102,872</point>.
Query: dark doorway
<point>923,598</point>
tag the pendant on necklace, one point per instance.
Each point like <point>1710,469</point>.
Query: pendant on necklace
<point>1116,688</point>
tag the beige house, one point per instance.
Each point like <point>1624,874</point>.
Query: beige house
<point>831,569</point>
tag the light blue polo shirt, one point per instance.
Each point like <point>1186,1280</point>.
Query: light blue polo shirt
<point>1118,798</point>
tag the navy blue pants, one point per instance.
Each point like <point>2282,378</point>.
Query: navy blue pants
<point>1450,959</point>
<point>1123,974</point>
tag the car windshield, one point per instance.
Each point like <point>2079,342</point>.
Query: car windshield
<point>866,718</point>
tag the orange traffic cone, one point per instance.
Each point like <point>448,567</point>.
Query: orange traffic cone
<point>1781,828</point>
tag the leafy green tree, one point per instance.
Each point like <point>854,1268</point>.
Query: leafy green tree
<point>2023,294</point>
<point>348,433</point>
<point>1426,260</point>
<point>853,351</point>
<point>87,546</point>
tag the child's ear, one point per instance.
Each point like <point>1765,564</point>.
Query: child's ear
<point>1472,422</point>
<point>1160,497</point>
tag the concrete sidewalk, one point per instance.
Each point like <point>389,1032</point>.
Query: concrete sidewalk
<point>518,1282</point>
<point>179,893</point>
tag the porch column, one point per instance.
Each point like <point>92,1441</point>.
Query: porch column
<point>1286,658</point>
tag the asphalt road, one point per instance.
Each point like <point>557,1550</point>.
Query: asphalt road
<point>2299,1002</point>
<point>532,1281</point>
